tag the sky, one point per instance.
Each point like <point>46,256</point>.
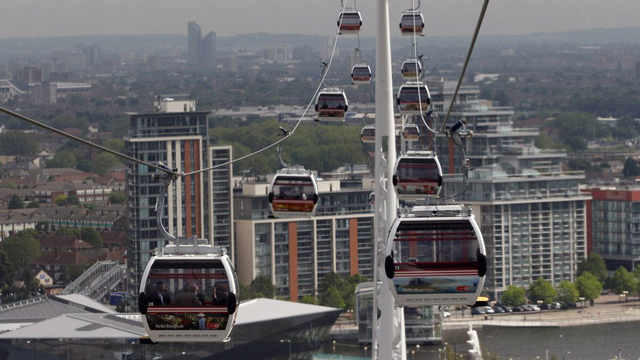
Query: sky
<point>45,18</point>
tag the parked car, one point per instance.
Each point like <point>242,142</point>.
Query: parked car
<point>566,306</point>
<point>518,309</point>
<point>527,307</point>
<point>488,310</point>
<point>535,307</point>
<point>498,310</point>
<point>478,311</point>
<point>547,307</point>
<point>506,308</point>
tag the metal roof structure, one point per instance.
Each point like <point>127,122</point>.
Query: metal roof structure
<point>81,324</point>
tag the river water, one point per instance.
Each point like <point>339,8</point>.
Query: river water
<point>590,342</point>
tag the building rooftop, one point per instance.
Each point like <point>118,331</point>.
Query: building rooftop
<point>61,258</point>
<point>110,325</point>
<point>47,307</point>
<point>64,241</point>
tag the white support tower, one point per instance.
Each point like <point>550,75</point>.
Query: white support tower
<point>388,332</point>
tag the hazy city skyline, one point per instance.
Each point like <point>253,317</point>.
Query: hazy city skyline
<point>41,18</point>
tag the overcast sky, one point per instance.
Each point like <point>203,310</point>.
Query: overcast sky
<point>43,18</point>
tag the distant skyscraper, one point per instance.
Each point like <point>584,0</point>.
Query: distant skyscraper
<point>92,54</point>
<point>201,51</point>
<point>208,46</point>
<point>195,38</point>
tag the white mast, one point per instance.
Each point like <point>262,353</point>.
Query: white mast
<point>388,335</point>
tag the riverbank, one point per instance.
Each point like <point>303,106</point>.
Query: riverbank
<point>606,310</point>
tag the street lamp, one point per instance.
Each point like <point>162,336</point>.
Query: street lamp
<point>563,352</point>
<point>289,342</point>
<point>540,306</point>
<point>365,351</point>
<point>334,347</point>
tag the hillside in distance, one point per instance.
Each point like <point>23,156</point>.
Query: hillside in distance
<point>114,43</point>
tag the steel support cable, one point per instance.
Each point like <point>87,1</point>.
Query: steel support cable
<point>415,57</point>
<point>333,51</point>
<point>466,62</point>
<point>85,142</point>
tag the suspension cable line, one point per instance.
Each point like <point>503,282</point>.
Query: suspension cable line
<point>86,142</point>
<point>466,62</point>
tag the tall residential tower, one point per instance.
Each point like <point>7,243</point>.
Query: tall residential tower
<point>196,205</point>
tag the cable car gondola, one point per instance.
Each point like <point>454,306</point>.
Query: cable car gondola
<point>332,105</point>
<point>411,69</point>
<point>411,132</point>
<point>368,134</point>
<point>349,22</point>
<point>411,22</point>
<point>294,193</point>
<point>189,293</point>
<point>436,256</point>
<point>413,98</point>
<point>417,175</point>
<point>360,74</point>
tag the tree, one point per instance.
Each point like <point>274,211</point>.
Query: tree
<point>15,202</point>
<point>72,199</point>
<point>245,292</point>
<point>21,249</point>
<point>7,274</point>
<point>636,275</point>
<point>331,279</point>
<point>514,295</point>
<point>114,144</point>
<point>568,292</point>
<point>62,200</point>
<point>622,280</point>
<point>595,265</point>
<point>17,143</point>
<point>33,205</point>
<point>67,231</point>
<point>63,159</point>
<point>42,227</point>
<point>308,299</point>
<point>103,162</point>
<point>542,289</point>
<point>91,236</point>
<point>75,270</point>
<point>588,286</point>
<point>117,197</point>
<point>630,168</point>
<point>262,286</point>
<point>332,298</point>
